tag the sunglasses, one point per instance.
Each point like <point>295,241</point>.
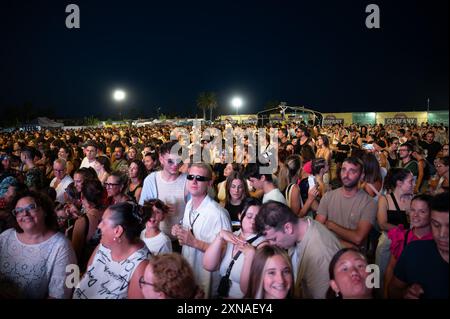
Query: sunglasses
<point>172,162</point>
<point>198,178</point>
<point>19,210</point>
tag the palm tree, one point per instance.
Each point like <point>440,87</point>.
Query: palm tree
<point>207,100</point>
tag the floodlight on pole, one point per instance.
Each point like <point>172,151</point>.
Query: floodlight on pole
<point>236,102</point>
<point>119,96</point>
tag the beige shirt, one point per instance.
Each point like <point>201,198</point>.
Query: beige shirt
<point>348,212</point>
<point>310,260</point>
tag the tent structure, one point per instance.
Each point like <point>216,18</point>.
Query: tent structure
<point>284,111</point>
<point>42,122</point>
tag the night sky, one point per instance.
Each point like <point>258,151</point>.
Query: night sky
<point>164,53</point>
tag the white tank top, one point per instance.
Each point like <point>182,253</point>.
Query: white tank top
<point>172,194</point>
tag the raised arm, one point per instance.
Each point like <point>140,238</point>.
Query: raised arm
<point>214,254</point>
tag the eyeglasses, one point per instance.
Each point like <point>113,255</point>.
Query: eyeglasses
<point>142,282</point>
<point>111,185</point>
<point>198,178</point>
<point>19,210</point>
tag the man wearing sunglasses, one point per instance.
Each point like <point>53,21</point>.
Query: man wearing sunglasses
<point>168,185</point>
<point>203,219</point>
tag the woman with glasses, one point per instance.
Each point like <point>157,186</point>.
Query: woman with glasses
<point>230,252</point>
<point>61,179</point>
<point>114,269</point>
<point>115,187</point>
<point>33,254</point>
<point>169,276</point>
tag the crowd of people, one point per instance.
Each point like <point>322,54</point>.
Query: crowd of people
<point>310,216</point>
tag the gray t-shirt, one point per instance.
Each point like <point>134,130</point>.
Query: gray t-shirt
<point>35,271</point>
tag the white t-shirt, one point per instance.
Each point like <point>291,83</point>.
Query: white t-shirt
<point>61,188</point>
<point>85,163</point>
<point>35,271</point>
<point>274,195</point>
<point>172,194</point>
<point>206,222</point>
<point>160,244</point>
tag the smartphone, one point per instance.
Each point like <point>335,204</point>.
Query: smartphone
<point>368,146</point>
<point>311,181</point>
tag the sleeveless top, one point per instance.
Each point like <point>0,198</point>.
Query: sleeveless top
<point>89,245</point>
<point>109,279</point>
<point>131,193</point>
<point>397,217</point>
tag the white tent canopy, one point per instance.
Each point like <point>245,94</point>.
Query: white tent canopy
<point>46,122</point>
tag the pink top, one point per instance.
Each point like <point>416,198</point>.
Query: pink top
<point>397,237</point>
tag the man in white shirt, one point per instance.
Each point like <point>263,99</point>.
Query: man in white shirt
<point>90,150</point>
<point>61,179</point>
<point>203,219</point>
<point>264,182</point>
<point>169,186</point>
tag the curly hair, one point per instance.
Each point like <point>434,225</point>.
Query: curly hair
<point>174,277</point>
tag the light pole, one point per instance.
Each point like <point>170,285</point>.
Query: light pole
<point>236,102</point>
<point>119,96</point>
